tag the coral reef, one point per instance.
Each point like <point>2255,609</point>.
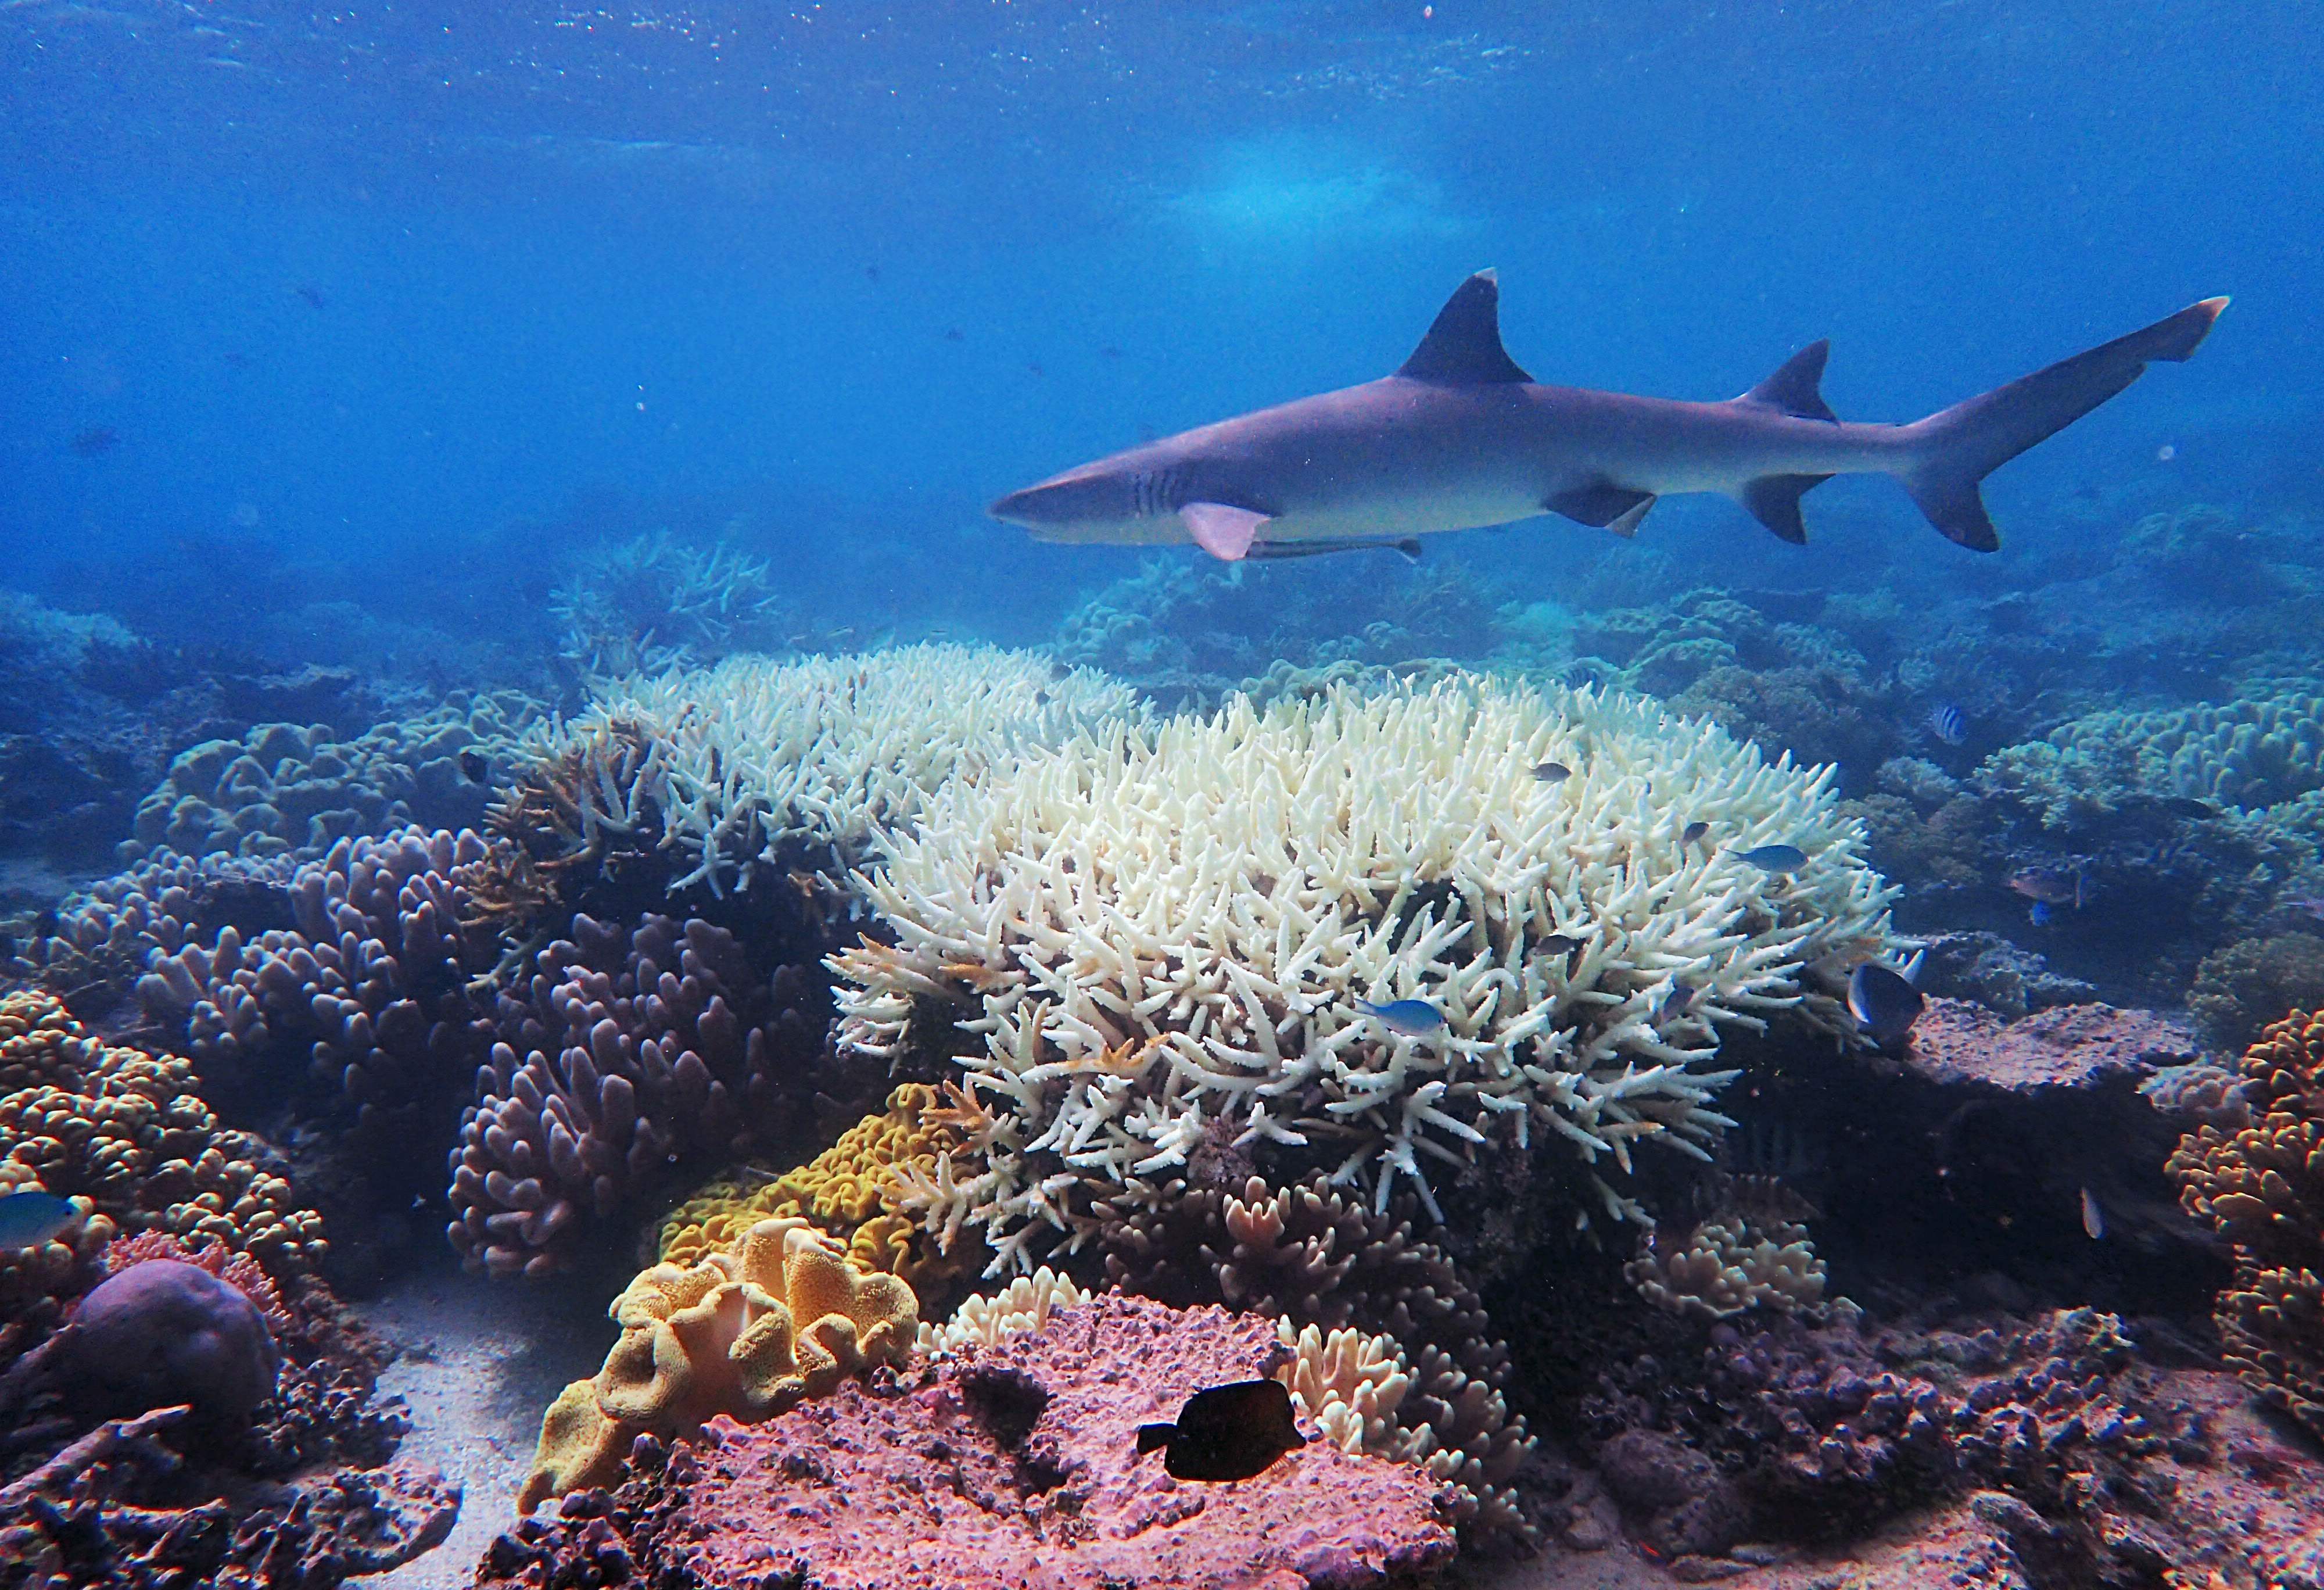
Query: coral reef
<point>852,1190</point>
<point>2262,1186</point>
<point>1174,951</point>
<point>1019,1309</point>
<point>127,1131</point>
<point>2251,753</point>
<point>163,1331</point>
<point>1723,1267</point>
<point>1316,1259</point>
<point>284,787</point>
<point>2254,983</point>
<point>625,1055</point>
<point>1007,1463</point>
<point>793,766</point>
<point>746,1334</point>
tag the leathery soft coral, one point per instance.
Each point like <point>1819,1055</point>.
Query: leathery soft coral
<point>2263,1187</point>
<point>625,1053</point>
<point>1152,938</point>
<point>746,1333</point>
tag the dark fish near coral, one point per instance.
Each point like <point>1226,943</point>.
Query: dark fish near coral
<point>1774,858</point>
<point>1676,1003</point>
<point>1406,547</point>
<point>473,767</point>
<point>2038,913</point>
<point>28,1219</point>
<point>1226,1433</point>
<point>1415,1018</point>
<point>2188,807</point>
<point>1884,1003</point>
<point>1552,773</point>
<point>1692,832</point>
<point>96,440</point>
<point>1560,944</point>
<point>1948,723</point>
<point>2048,885</point>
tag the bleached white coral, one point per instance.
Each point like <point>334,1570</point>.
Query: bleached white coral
<point>755,754</point>
<point>1018,1309</point>
<point>1156,937</point>
<point>1349,1385</point>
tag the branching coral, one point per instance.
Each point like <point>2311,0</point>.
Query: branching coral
<point>2243,987</point>
<point>127,1131</point>
<point>624,1054</point>
<point>746,1334</point>
<point>1154,938</point>
<point>798,763</point>
<point>653,603</point>
<point>1723,1267</point>
<point>860,1190</point>
<point>2263,1187</point>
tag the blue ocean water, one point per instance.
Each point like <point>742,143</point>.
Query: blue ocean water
<point>386,303</point>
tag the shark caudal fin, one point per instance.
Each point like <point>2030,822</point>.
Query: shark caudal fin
<point>1957,448</point>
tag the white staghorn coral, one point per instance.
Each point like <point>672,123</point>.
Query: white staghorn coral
<point>1155,938</point>
<point>755,754</point>
<point>1018,1310</point>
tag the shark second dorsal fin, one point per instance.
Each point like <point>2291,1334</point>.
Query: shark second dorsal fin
<point>1796,387</point>
<point>1463,346</point>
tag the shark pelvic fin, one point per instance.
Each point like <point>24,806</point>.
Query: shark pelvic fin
<point>1795,388</point>
<point>1463,346</point>
<point>1225,533</point>
<point>1603,506</point>
<point>1774,500</point>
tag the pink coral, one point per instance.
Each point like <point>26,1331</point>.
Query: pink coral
<point>1013,1464</point>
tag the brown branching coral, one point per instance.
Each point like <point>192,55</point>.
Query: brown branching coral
<point>569,815</point>
<point>2263,1187</point>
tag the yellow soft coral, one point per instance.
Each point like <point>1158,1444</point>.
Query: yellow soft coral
<point>849,1191</point>
<point>125,1136</point>
<point>746,1333</point>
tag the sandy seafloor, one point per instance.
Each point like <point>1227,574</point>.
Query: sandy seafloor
<point>477,1361</point>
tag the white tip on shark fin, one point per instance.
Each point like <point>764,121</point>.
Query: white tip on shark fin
<point>1225,533</point>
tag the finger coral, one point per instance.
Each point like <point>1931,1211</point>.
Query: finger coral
<point>855,1190</point>
<point>624,1054</point>
<point>1152,938</point>
<point>127,1132</point>
<point>2251,753</point>
<point>760,763</point>
<point>746,1334</point>
<point>2262,1188</point>
<point>1724,1266</point>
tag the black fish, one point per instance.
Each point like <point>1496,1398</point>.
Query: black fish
<point>1406,547</point>
<point>1551,773</point>
<point>95,440</point>
<point>1885,1003</point>
<point>1226,1432</point>
<point>2187,806</point>
<point>1693,831</point>
<point>473,767</point>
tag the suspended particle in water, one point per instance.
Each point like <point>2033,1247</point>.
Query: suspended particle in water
<point>2166,452</point>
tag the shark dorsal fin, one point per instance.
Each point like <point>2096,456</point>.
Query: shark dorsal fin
<point>1463,346</point>
<point>1795,388</point>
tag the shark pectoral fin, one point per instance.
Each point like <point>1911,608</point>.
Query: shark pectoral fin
<point>1603,506</point>
<point>1774,500</point>
<point>1225,533</point>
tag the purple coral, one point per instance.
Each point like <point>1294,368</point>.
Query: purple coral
<point>629,1051</point>
<point>163,1332</point>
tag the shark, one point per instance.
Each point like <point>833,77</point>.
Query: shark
<point>1460,436</point>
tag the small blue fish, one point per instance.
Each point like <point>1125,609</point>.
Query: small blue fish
<point>1415,1018</point>
<point>1551,773</point>
<point>2039,914</point>
<point>1774,858</point>
<point>1693,831</point>
<point>1676,1003</point>
<point>1883,1003</point>
<point>28,1219</point>
<point>1949,723</point>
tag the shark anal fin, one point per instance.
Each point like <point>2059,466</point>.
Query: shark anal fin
<point>1603,506</point>
<point>1774,500</point>
<point>1796,387</point>
<point>1224,532</point>
<point>1463,345</point>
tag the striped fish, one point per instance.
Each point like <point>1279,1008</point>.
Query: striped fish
<point>1948,723</point>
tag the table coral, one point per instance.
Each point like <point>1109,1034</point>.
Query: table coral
<point>127,1131</point>
<point>1010,1464</point>
<point>746,1334</point>
<point>851,1190</point>
<point>2262,1188</point>
<point>1151,939</point>
<point>625,1053</point>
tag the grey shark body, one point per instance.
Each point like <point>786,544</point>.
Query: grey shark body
<point>1461,437</point>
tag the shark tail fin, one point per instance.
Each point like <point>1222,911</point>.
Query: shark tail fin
<point>1956,449</point>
